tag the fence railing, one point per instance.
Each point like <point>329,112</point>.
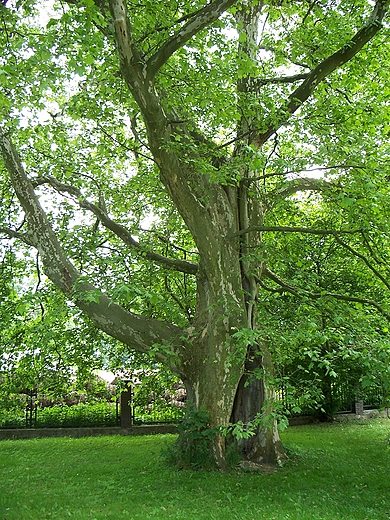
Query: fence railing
<point>84,414</point>
<point>341,398</point>
<point>337,398</point>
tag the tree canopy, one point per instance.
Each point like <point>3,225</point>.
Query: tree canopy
<point>189,171</point>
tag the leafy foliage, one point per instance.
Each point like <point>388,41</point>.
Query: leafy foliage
<point>192,449</point>
<point>63,416</point>
<point>212,180</point>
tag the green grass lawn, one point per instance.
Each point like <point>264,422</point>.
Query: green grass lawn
<point>337,472</point>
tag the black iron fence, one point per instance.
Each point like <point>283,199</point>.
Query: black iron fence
<point>104,413</point>
<point>337,398</point>
<point>333,398</point>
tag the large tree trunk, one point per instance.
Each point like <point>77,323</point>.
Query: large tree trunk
<point>219,371</point>
<point>211,365</point>
<point>231,393</point>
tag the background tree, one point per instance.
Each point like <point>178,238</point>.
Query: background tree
<point>196,121</point>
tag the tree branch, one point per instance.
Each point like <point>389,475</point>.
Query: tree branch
<point>138,332</point>
<point>128,54</point>
<point>305,170</point>
<point>325,68</point>
<point>365,260</point>
<point>287,229</point>
<point>199,21</point>
<point>184,266</point>
<point>302,184</point>
<point>259,82</point>
<point>24,237</point>
<point>286,287</point>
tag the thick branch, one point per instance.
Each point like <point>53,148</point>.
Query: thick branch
<point>286,287</point>
<point>159,126</point>
<point>326,67</point>
<point>120,231</point>
<point>259,82</point>
<point>136,331</point>
<point>301,184</point>
<point>128,54</point>
<point>199,21</point>
<point>11,233</point>
<point>287,229</point>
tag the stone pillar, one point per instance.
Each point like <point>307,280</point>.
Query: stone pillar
<point>359,407</point>
<point>126,411</point>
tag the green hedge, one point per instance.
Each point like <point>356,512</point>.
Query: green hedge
<point>167,415</point>
<point>12,418</point>
<point>93,414</point>
<point>85,414</point>
<point>62,416</point>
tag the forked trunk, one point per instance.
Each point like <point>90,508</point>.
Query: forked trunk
<point>220,379</point>
<point>254,404</point>
<point>244,399</point>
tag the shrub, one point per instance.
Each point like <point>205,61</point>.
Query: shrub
<point>193,449</point>
<point>13,418</point>
<point>82,414</point>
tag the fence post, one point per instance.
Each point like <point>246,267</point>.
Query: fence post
<point>126,412</point>
<point>359,407</point>
<point>31,408</point>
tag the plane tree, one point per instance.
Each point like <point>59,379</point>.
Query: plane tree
<point>149,150</point>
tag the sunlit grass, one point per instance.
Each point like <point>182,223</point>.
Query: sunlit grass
<point>336,472</point>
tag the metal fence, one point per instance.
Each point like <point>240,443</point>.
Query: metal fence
<point>341,398</point>
<point>102,414</point>
<point>337,398</point>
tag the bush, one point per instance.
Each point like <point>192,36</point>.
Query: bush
<point>94,414</point>
<point>193,448</point>
<point>13,418</point>
<point>85,414</point>
<point>168,415</point>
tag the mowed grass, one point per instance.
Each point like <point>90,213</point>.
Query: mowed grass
<point>336,472</point>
